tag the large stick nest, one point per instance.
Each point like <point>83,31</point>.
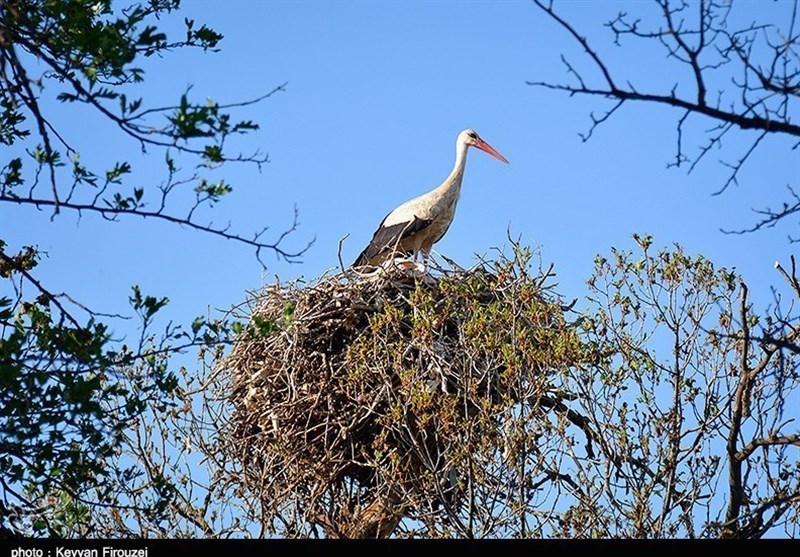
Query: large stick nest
<point>374,385</point>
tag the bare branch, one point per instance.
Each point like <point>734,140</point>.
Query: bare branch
<point>761,61</point>
<point>114,212</point>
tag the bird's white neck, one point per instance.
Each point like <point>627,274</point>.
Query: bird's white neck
<point>461,158</point>
<point>453,181</point>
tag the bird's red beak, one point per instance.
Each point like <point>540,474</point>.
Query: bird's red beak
<point>483,146</point>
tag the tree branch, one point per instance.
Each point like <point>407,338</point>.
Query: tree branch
<point>744,122</point>
<point>769,441</point>
<point>114,212</point>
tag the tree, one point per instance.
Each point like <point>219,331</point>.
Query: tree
<point>461,403</point>
<point>679,428</point>
<point>744,79</point>
<point>67,400</point>
<point>478,404</point>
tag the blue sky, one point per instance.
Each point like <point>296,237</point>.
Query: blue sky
<point>376,94</point>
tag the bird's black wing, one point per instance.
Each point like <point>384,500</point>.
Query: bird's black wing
<point>388,237</point>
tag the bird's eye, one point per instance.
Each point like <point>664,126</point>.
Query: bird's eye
<point>473,135</point>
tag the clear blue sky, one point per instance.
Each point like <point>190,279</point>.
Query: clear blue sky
<point>376,94</point>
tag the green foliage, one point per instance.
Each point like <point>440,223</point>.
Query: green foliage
<point>59,383</point>
<point>70,387</point>
<point>11,120</point>
<point>213,191</point>
<point>92,52</point>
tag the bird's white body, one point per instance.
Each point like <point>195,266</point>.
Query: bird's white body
<point>438,205</point>
<point>419,223</point>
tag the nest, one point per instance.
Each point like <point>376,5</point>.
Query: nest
<point>360,397</point>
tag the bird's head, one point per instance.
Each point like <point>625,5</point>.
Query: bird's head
<point>470,138</point>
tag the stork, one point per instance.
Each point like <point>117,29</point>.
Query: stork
<point>421,222</point>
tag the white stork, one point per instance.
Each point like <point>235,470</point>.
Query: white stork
<point>421,222</point>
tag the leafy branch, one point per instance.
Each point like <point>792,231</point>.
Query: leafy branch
<point>92,58</point>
